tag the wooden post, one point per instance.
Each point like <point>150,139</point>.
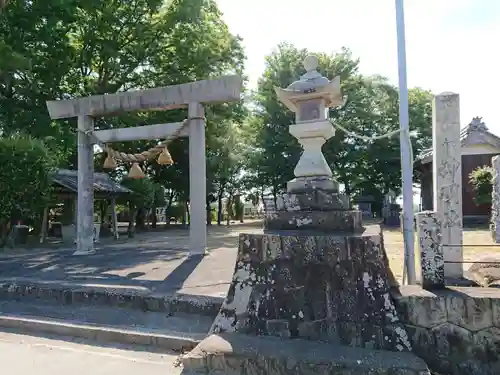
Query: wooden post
<point>114,218</point>
<point>197,181</point>
<point>85,219</point>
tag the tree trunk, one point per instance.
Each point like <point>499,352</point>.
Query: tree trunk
<point>4,232</point>
<point>105,223</point>
<point>169,200</point>
<point>262,199</point>
<point>347,188</point>
<point>147,218</point>
<point>209,212</point>
<point>167,208</point>
<point>239,208</point>
<point>131,220</point>
<point>220,209</point>
<point>275,198</point>
<point>188,212</point>
<point>229,210</point>
<point>102,212</point>
<point>184,213</point>
<point>153,217</point>
<point>141,219</point>
<point>347,191</point>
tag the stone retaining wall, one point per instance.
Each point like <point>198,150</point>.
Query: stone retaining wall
<point>456,331</point>
<point>129,298</point>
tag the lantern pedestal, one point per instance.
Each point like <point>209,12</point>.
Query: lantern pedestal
<point>316,273</point>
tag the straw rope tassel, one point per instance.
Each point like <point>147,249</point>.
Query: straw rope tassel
<point>135,172</point>
<point>165,158</point>
<point>109,162</point>
<point>160,150</point>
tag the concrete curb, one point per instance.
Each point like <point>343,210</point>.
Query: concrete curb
<point>138,298</point>
<point>176,341</point>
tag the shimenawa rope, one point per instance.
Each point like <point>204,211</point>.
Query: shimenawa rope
<point>412,161</point>
<point>153,151</point>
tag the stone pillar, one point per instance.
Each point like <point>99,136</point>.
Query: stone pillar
<point>495,200</point>
<point>197,181</point>
<point>447,181</point>
<point>431,251</point>
<point>85,209</point>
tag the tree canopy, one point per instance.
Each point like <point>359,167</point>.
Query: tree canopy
<point>59,49</point>
<point>371,109</point>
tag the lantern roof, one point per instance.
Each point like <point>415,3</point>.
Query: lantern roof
<point>310,86</point>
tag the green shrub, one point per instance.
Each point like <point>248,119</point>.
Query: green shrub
<point>143,192</point>
<point>25,182</point>
<point>481,180</point>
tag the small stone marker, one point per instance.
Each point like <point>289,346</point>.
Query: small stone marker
<point>431,250</point>
<point>495,200</point>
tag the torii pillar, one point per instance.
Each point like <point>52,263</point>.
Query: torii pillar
<point>191,95</point>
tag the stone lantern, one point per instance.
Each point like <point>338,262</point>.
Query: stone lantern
<point>315,272</point>
<point>310,97</point>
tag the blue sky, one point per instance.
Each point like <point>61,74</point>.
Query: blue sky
<point>452,45</point>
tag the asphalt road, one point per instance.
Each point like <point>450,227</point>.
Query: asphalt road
<point>27,355</point>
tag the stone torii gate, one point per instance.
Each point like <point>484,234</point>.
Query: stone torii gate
<point>191,95</point>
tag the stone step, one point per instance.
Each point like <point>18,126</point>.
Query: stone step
<point>235,354</point>
<point>121,296</point>
<point>106,324</point>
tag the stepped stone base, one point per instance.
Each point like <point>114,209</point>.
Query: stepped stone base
<point>324,221</point>
<point>307,184</point>
<point>233,354</point>
<point>316,200</point>
<point>316,286</point>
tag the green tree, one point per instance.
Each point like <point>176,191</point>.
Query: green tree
<point>35,57</point>
<point>25,172</point>
<point>225,162</point>
<point>371,109</point>
<point>58,49</point>
<point>140,200</point>
<point>481,180</point>
<point>197,46</point>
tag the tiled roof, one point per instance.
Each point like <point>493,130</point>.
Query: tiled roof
<point>476,125</point>
<point>428,152</point>
<point>102,182</point>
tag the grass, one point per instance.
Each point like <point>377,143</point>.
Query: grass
<point>478,244</point>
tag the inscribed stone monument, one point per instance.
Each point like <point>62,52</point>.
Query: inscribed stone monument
<point>447,172</point>
<point>495,200</point>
